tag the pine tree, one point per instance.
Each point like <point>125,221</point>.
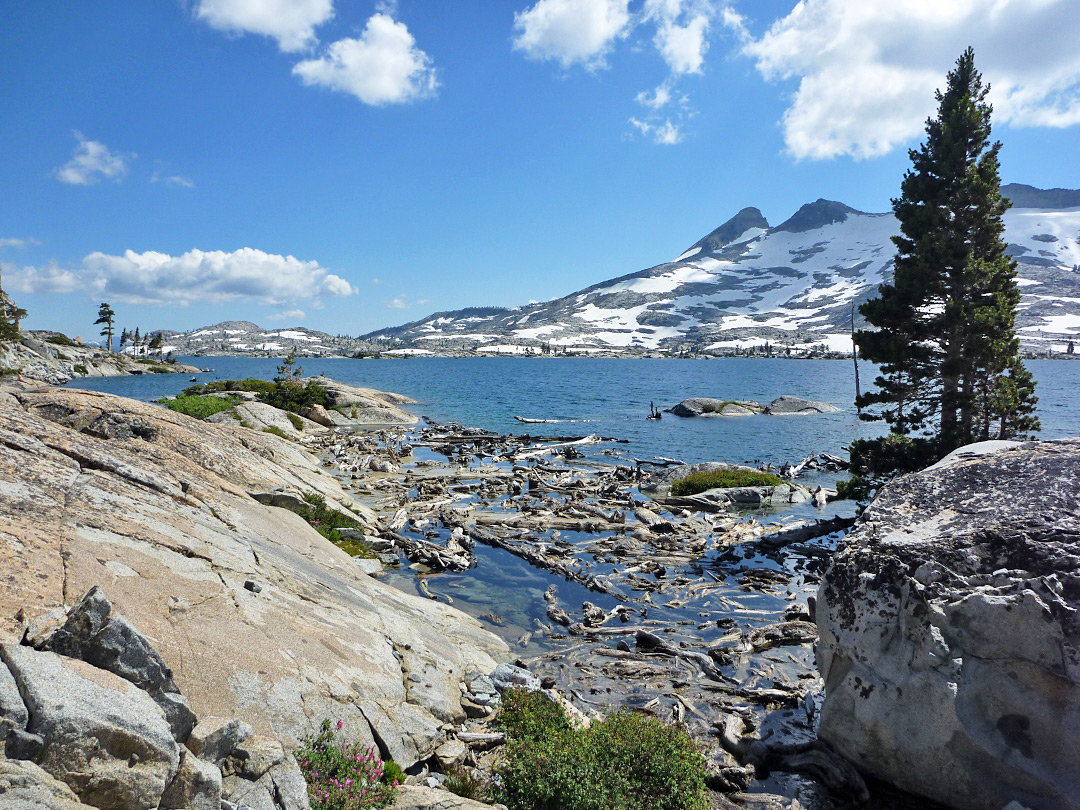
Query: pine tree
<point>945,335</point>
<point>105,316</point>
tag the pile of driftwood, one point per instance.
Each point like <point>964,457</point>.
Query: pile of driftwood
<point>700,617</point>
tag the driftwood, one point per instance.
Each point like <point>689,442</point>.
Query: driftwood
<point>806,531</point>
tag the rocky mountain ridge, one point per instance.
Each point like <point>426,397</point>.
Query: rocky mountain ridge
<point>747,283</point>
<point>246,338</point>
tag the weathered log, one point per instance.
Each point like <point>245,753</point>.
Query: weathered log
<point>805,531</point>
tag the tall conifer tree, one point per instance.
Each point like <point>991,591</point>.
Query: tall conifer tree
<point>951,372</point>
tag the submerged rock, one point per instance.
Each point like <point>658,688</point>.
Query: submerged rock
<point>949,639</point>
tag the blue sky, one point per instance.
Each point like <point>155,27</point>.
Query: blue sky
<point>349,164</point>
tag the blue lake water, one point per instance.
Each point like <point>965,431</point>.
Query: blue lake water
<point>614,396</point>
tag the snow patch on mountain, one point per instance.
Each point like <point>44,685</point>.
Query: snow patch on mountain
<point>794,286</point>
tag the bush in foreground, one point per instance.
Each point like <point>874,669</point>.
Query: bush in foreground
<point>628,761</point>
<point>723,479</point>
<point>342,776</point>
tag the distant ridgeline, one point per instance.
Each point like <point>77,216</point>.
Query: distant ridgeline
<point>746,286</point>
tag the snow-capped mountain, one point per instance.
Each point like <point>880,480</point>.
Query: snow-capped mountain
<point>244,337</point>
<point>747,282</point>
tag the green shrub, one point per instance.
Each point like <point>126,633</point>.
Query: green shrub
<point>8,372</point>
<point>327,522</point>
<point>79,368</point>
<point>296,421</point>
<point>218,386</point>
<point>60,340</point>
<point>281,434</point>
<point>531,716</point>
<point>627,761</point>
<point>723,479</point>
<point>198,406</point>
<point>342,776</point>
<point>392,773</point>
<point>467,784</point>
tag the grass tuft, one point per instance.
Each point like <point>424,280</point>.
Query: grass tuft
<point>723,479</point>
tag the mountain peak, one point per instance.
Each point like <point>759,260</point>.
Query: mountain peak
<point>815,215</point>
<point>732,229</point>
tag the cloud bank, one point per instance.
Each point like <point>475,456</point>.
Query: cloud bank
<point>214,277</point>
<point>867,72</point>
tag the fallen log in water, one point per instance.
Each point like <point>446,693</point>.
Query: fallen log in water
<point>806,531</point>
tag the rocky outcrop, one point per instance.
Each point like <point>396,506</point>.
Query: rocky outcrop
<point>706,406</point>
<point>51,358</point>
<point>260,416</point>
<point>949,637</point>
<point>785,405</point>
<point>658,485</point>
<point>350,405</point>
<point>162,518</point>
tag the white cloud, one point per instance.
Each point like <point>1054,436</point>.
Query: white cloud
<point>213,277</point>
<point>571,31</point>
<point>48,279</point>
<point>403,302</point>
<point>666,132</point>
<point>288,315</point>
<point>172,180</point>
<point>16,242</point>
<point>681,28</point>
<point>91,162</point>
<point>291,22</point>
<point>659,98</point>
<point>867,71</point>
<point>382,66</point>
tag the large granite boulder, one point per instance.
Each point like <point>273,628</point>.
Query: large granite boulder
<point>949,631</point>
<point>163,520</point>
<point>103,736</point>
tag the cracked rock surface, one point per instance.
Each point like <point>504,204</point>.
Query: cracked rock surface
<point>160,517</point>
<point>949,631</point>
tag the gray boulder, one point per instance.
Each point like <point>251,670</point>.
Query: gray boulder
<point>406,733</point>
<point>418,797</point>
<point>104,737</point>
<point>280,788</point>
<point>25,786</point>
<point>196,786</point>
<point>949,640</point>
<point>785,405</point>
<point>217,737</point>
<point>92,634</point>
<point>13,714</point>
<point>508,676</point>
